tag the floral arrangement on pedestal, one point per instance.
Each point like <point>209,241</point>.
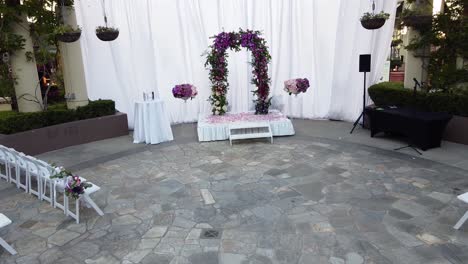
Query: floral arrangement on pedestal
<point>296,86</point>
<point>72,185</point>
<point>184,91</point>
<point>216,59</point>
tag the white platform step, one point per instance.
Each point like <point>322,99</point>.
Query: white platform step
<point>213,128</point>
<point>249,130</point>
<point>252,135</point>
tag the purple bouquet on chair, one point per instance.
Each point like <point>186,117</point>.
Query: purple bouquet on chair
<point>296,86</point>
<point>75,187</point>
<point>184,91</point>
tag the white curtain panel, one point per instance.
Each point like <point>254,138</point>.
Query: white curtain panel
<point>162,43</point>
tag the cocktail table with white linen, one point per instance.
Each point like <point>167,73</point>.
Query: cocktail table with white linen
<point>152,124</point>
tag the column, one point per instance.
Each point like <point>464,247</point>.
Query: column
<point>73,67</point>
<point>27,79</point>
<point>413,64</point>
<point>416,61</point>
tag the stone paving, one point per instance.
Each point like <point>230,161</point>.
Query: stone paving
<point>296,201</point>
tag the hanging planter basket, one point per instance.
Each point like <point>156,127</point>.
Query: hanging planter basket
<point>374,20</point>
<point>418,21</point>
<point>107,33</point>
<point>373,23</point>
<point>69,37</point>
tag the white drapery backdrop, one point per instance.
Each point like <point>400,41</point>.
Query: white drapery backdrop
<point>161,44</point>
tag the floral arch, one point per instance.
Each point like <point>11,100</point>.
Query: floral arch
<point>216,59</point>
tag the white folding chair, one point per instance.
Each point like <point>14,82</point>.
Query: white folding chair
<point>4,221</point>
<point>11,164</point>
<point>21,166</point>
<point>3,161</point>
<point>464,198</point>
<point>86,199</point>
<point>45,172</point>
<point>31,174</point>
<point>59,188</point>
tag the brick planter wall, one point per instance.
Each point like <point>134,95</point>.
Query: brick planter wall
<point>50,138</point>
<point>457,130</point>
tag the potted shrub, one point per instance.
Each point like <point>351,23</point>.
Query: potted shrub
<point>105,33</point>
<point>67,34</point>
<point>373,21</point>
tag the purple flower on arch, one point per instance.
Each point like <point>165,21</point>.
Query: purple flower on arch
<point>218,73</point>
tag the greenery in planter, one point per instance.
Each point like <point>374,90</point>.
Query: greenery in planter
<point>448,39</point>
<point>373,20</point>
<point>106,33</point>
<point>388,94</point>
<point>13,122</point>
<point>104,29</point>
<point>369,16</point>
<point>96,109</point>
<point>5,114</point>
<point>67,33</point>
<point>66,29</point>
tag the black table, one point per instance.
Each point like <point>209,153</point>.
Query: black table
<point>423,129</point>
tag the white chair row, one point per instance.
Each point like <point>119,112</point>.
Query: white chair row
<point>34,177</point>
<point>27,173</point>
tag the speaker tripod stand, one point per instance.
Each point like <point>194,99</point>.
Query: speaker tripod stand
<point>416,84</point>
<point>363,114</point>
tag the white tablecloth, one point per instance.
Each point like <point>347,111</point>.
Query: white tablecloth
<point>208,131</point>
<point>151,123</point>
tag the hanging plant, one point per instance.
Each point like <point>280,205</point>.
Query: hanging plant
<point>373,21</point>
<point>67,34</point>
<point>107,33</point>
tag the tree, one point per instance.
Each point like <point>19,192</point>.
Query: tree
<point>448,42</point>
<point>45,22</point>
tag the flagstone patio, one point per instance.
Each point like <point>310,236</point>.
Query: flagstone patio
<point>300,200</point>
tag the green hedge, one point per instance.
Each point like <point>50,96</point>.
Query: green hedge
<point>17,122</point>
<point>96,109</point>
<point>388,93</point>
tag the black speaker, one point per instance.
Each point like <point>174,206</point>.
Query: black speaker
<point>364,63</point>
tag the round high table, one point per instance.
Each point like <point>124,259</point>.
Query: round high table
<point>151,123</point>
